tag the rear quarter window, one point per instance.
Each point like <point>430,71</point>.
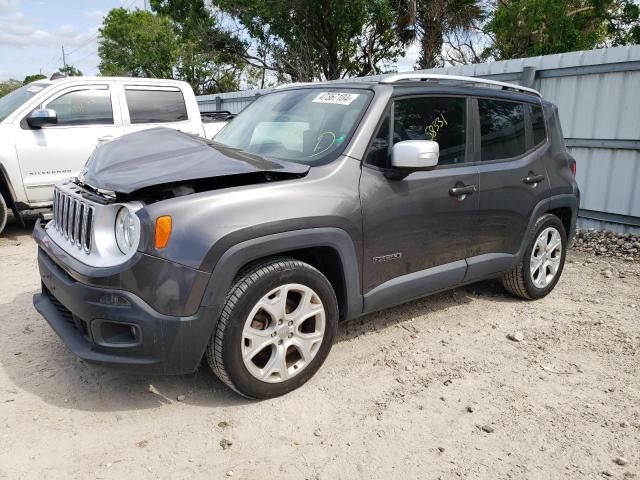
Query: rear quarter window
<point>156,106</point>
<point>537,125</point>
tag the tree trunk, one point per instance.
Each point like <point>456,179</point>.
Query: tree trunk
<point>431,45</point>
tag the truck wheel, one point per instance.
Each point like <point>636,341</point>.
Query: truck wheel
<point>276,328</point>
<point>4,213</point>
<point>542,263</point>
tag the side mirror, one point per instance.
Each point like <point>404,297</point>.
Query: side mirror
<point>415,155</point>
<point>42,116</point>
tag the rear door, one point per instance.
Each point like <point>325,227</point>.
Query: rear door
<point>87,114</point>
<point>513,179</point>
<point>147,106</point>
<point>417,233</point>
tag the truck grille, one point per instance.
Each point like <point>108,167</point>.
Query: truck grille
<point>73,218</point>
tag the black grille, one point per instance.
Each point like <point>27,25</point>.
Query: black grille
<point>70,318</point>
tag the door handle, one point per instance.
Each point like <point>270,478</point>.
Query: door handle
<point>532,178</point>
<point>106,138</point>
<point>462,191</point>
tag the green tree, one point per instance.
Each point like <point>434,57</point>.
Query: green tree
<point>525,28</point>
<point>138,44</point>
<point>431,22</point>
<point>169,42</point>
<point>70,71</point>
<point>323,39</point>
<point>624,24</point>
<point>33,78</point>
<point>207,57</point>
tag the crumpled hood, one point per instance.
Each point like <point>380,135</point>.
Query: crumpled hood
<point>163,155</point>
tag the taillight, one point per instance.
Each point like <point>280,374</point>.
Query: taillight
<point>572,166</point>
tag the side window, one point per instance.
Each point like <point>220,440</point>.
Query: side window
<point>155,106</point>
<point>83,107</point>
<point>537,124</point>
<point>442,120</point>
<point>502,129</point>
<point>378,154</point>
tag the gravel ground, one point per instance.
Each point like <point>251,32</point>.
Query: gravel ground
<point>466,384</point>
<point>608,244</point>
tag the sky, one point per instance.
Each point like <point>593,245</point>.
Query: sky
<point>32,33</point>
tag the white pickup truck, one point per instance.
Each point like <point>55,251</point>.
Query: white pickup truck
<point>49,128</point>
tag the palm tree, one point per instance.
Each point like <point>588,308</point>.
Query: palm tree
<point>430,21</point>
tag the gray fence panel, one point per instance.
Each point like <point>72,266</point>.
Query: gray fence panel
<point>598,96</point>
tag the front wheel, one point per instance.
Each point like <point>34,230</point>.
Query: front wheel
<point>542,263</point>
<point>276,328</point>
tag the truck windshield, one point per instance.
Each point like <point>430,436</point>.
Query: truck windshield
<point>310,125</point>
<point>10,102</point>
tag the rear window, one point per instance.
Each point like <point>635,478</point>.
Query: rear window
<point>155,106</point>
<point>502,129</point>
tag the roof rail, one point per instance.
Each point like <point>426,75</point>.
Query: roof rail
<point>475,80</point>
<point>294,84</point>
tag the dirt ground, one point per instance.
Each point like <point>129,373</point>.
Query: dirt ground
<point>432,389</point>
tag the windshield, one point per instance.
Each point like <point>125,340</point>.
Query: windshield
<point>13,100</point>
<point>308,126</point>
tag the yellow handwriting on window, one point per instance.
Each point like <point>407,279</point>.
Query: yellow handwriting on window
<point>431,130</point>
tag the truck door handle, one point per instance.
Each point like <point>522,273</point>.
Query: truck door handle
<point>532,178</point>
<point>462,191</point>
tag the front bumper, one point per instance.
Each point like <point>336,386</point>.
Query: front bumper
<point>92,320</point>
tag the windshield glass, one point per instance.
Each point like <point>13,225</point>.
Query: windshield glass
<point>308,126</point>
<point>13,100</point>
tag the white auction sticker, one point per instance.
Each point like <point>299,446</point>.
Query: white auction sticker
<point>337,98</point>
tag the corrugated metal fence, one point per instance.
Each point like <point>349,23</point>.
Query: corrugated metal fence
<point>598,95</point>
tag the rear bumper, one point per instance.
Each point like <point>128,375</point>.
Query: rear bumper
<point>116,328</point>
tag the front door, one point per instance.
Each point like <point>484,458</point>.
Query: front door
<point>55,152</point>
<point>513,179</point>
<point>418,230</point>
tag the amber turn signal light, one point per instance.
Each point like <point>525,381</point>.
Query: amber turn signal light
<point>163,231</point>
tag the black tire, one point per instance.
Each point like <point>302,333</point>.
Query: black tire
<point>519,281</point>
<point>4,213</point>
<point>224,351</point>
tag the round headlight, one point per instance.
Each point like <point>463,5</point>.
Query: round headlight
<point>127,230</point>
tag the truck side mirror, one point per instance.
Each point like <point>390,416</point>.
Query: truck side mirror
<point>415,155</point>
<point>42,116</point>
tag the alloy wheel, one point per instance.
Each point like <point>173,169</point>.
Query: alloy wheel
<point>545,257</point>
<point>283,333</point>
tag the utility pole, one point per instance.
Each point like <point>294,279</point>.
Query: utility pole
<point>64,59</point>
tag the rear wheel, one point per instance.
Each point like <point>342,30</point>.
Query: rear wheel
<point>4,213</point>
<point>542,263</point>
<point>276,328</point>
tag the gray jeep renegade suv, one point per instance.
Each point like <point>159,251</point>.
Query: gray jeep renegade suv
<point>315,205</point>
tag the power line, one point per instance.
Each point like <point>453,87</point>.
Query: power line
<point>52,59</point>
<point>90,39</point>
<point>85,57</point>
<point>86,43</point>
